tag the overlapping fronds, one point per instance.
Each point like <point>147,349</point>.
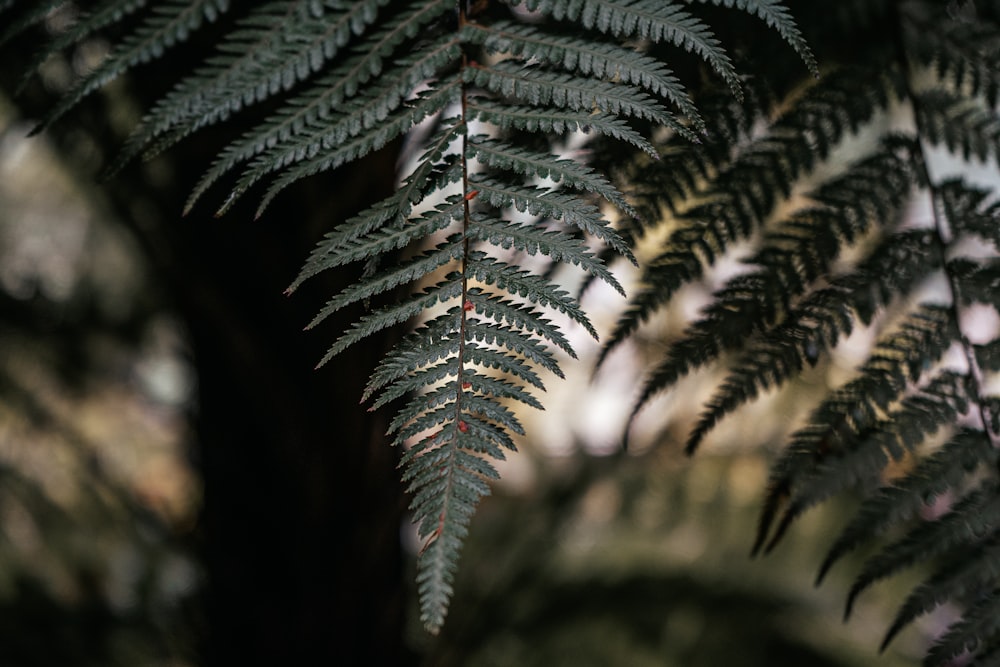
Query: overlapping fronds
<point>343,78</point>
<point>877,242</point>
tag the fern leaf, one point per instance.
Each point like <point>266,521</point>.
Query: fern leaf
<point>531,239</point>
<point>964,125</point>
<point>528,119</point>
<point>500,155</point>
<point>316,160</point>
<point>404,274</point>
<point>946,469</point>
<point>777,16</point>
<point>443,511</point>
<point>434,172</point>
<point>974,568</point>
<point>539,87</point>
<point>980,625</point>
<point>655,20</point>
<point>309,110</point>
<point>969,209</point>
<point>493,334</point>
<point>277,46</point>
<point>535,289</point>
<point>740,197</point>
<point>515,315</point>
<point>605,61</point>
<point>171,22</point>
<point>850,411</point>
<point>816,324</point>
<point>973,517</point>
<point>389,316</point>
<point>919,415</point>
<point>554,205</point>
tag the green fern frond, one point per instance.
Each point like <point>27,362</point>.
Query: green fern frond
<point>532,239</point>
<point>792,256</point>
<point>529,119</point>
<point>777,16</point>
<point>967,522</point>
<point>974,568</point>
<point>655,20</point>
<point>814,326</point>
<point>946,469</point>
<point>860,464</point>
<point>604,61</point>
<point>314,107</point>
<point>168,24</point>
<point>500,155</point>
<point>739,199</point>
<point>838,423</point>
<point>348,77</point>
<point>979,627</point>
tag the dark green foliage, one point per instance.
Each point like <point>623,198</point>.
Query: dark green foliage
<point>341,79</point>
<point>852,253</point>
<point>490,92</point>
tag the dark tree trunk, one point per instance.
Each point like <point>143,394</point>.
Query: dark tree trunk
<point>302,503</point>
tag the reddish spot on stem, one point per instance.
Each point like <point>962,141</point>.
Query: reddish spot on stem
<point>463,427</point>
<point>467,306</point>
<point>466,385</point>
<point>471,195</point>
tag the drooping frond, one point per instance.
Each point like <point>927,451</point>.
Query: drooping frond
<point>878,241</point>
<point>491,89</point>
<point>739,199</point>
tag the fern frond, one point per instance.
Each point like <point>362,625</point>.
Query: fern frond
<point>969,520</point>
<point>312,109</point>
<point>537,86</point>
<point>940,403</point>
<point>792,256</point>
<point>979,627</point>
<point>170,23</point>
<point>347,77</point>
<point>814,326</point>
<point>655,20</point>
<point>777,16</point>
<point>390,316</point>
<point>964,125</point>
<point>739,199</point>
<point>554,205</point>
<point>975,568</point>
<point>532,239</point>
<point>945,469</point>
<point>604,61</point>
<point>276,47</point>
<point>327,153</point>
<point>500,155</point>
<point>529,119</point>
<point>524,284</point>
<point>969,210</point>
<point>838,423</point>
<point>447,482</point>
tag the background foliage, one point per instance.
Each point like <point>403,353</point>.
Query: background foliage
<point>813,207</point>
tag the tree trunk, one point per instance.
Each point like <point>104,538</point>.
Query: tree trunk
<point>302,503</point>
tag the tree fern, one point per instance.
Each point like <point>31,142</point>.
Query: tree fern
<point>348,78</point>
<point>931,84</point>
